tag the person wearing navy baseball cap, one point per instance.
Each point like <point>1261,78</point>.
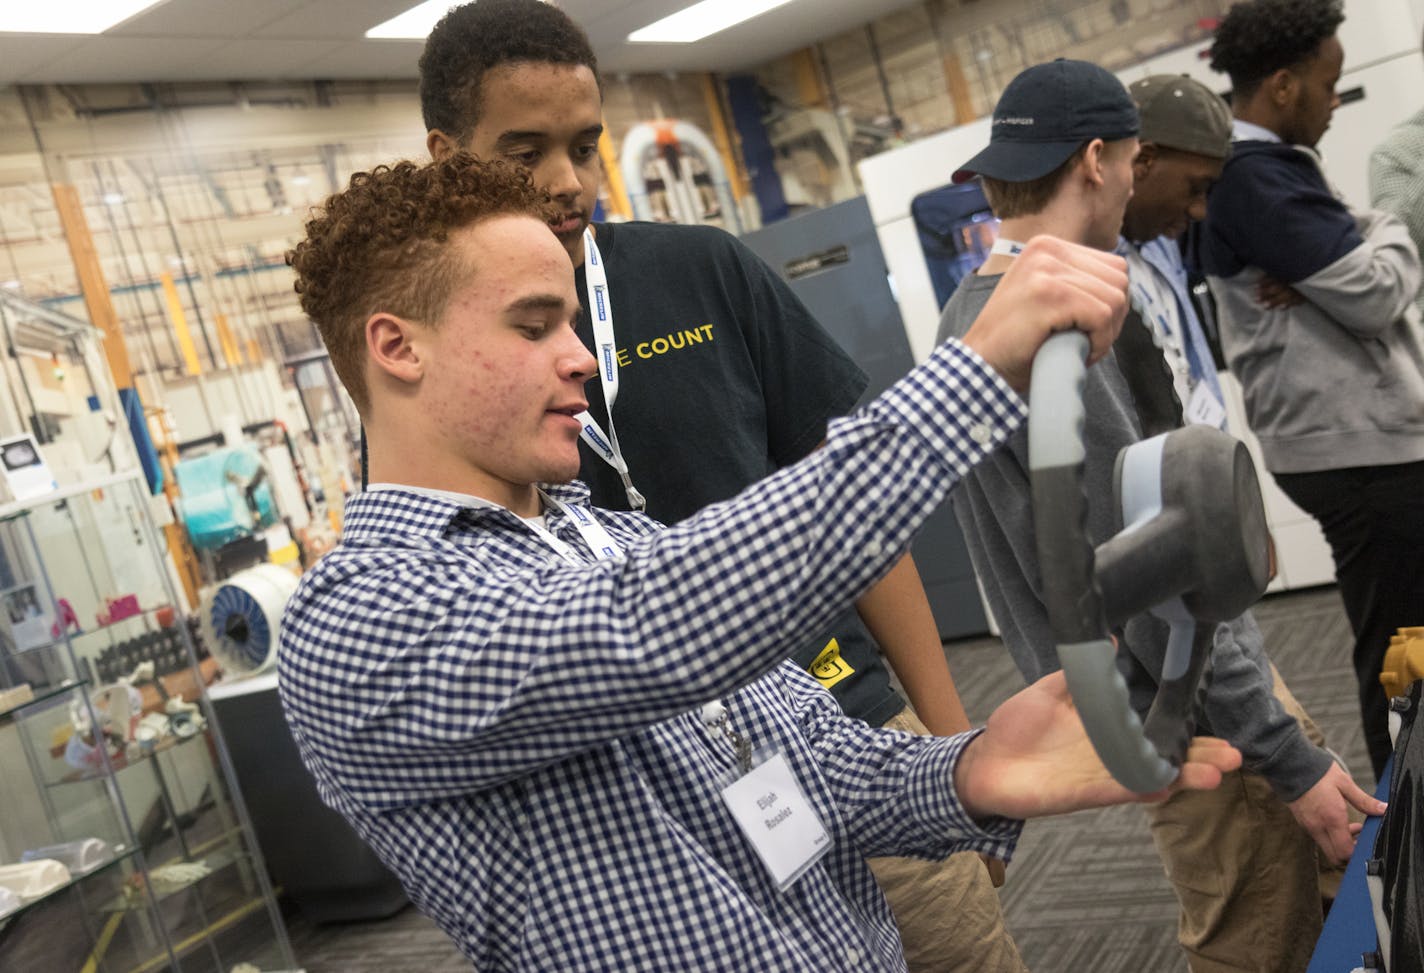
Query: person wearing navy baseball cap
<point>1060,156</point>
<point>1047,114</point>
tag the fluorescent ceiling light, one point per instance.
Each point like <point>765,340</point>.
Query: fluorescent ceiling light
<point>68,16</point>
<point>702,20</point>
<point>416,23</point>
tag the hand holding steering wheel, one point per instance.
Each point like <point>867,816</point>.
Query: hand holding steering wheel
<point>1193,550</point>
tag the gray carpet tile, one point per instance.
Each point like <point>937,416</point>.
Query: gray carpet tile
<point>1085,893</point>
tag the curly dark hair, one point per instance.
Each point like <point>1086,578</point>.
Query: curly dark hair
<point>472,39</point>
<point>1258,38</point>
<point>379,245</point>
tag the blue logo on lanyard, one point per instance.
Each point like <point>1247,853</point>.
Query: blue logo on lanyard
<point>602,308</point>
<point>608,361</point>
<point>591,432</point>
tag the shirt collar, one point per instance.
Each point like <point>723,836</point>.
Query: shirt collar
<point>386,511</point>
<point>1242,131</point>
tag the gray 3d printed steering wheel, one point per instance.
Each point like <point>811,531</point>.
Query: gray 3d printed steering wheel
<point>1193,549</point>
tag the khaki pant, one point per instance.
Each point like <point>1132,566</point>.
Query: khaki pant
<point>947,911</point>
<point>1246,875</point>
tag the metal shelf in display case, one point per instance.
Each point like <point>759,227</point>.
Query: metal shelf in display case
<point>186,888</point>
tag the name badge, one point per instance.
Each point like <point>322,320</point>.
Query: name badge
<point>773,812</point>
<point>1203,407</point>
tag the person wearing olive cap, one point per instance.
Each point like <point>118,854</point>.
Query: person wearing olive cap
<point>1068,155</point>
<point>1184,140</point>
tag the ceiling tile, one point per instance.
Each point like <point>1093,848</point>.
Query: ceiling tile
<point>205,18</point>
<point>258,60</point>
<point>368,59</point>
<point>335,19</point>
<point>22,53</point>
<point>113,59</point>
<point>325,39</point>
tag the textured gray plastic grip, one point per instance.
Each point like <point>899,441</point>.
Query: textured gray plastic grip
<point>1056,453</point>
<point>1100,694</point>
<point>1055,416</point>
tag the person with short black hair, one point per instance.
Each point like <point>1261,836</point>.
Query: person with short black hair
<point>1315,305</point>
<point>1257,40</point>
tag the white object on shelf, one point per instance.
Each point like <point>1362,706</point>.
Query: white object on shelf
<point>15,696</point>
<point>23,468</point>
<point>9,902</point>
<point>80,857</point>
<point>33,880</point>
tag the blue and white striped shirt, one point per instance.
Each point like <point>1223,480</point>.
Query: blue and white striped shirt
<point>519,737</point>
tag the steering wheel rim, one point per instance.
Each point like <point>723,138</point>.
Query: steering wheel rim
<point>1066,558</point>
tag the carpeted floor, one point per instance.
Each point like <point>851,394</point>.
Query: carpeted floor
<point>1085,893</point>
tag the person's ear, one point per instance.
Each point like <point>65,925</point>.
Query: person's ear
<point>1093,162</point>
<point>1282,86</point>
<point>1146,158</point>
<point>439,145</point>
<point>390,341</point>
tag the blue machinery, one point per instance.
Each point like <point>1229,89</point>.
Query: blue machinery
<point>225,496</point>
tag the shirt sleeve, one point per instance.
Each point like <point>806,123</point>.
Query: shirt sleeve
<point>1397,183</point>
<point>1368,289</point>
<point>421,672</point>
<point>895,789</point>
<point>1280,216</point>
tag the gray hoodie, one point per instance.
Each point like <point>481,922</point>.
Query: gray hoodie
<point>1336,381</point>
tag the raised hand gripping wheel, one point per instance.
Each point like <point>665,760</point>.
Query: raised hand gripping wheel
<point>1193,550</point>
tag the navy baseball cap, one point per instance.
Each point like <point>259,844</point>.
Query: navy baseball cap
<point>1045,114</point>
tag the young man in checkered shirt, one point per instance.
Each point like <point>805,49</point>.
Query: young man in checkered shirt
<point>572,733</point>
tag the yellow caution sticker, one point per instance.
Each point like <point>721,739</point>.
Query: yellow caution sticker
<point>829,668</point>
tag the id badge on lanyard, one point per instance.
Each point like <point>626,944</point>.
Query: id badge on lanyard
<point>605,349</point>
<point>770,807</point>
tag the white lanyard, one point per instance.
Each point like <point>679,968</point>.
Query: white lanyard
<point>1158,309</point>
<point>1007,248</point>
<point>599,541</point>
<point>605,349</point>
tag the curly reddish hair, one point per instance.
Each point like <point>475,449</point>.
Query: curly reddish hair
<point>379,245</point>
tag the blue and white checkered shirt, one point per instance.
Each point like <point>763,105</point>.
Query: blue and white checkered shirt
<point>519,737</point>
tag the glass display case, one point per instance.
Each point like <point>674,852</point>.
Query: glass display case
<point>124,844</point>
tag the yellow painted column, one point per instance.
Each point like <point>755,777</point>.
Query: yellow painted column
<point>100,305</point>
<point>180,324</point>
<point>722,137</point>
<point>955,83</point>
<point>810,86</point>
<point>97,300</point>
<point>232,354</point>
<point>613,177</point>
